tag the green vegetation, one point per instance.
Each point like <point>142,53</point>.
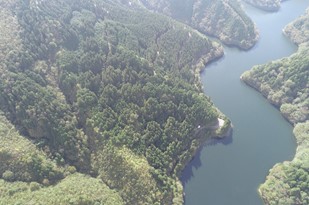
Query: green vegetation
<point>22,161</point>
<point>100,103</point>
<point>76,189</point>
<point>288,182</point>
<point>297,31</point>
<point>9,38</point>
<point>223,19</point>
<point>285,83</point>
<point>268,5</point>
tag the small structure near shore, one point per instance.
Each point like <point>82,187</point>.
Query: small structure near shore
<point>223,128</point>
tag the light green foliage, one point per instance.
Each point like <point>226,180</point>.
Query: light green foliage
<point>76,189</point>
<point>20,160</point>
<point>8,175</point>
<point>121,169</point>
<point>298,30</point>
<point>10,41</point>
<point>285,83</point>
<point>301,131</point>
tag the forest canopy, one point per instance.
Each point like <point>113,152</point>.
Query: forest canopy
<point>100,100</point>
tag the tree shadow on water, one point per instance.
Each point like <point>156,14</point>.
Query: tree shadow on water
<point>196,162</point>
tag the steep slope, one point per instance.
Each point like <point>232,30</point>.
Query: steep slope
<point>105,89</point>
<point>9,38</point>
<point>220,18</point>
<point>22,161</point>
<point>74,189</point>
<point>37,174</point>
<point>268,5</point>
<point>285,83</point>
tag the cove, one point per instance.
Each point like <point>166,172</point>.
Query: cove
<point>228,172</point>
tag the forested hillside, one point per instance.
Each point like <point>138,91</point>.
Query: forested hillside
<point>100,102</point>
<point>220,18</point>
<point>285,83</point>
<point>297,31</point>
<point>268,5</point>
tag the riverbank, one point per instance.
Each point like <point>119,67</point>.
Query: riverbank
<point>287,182</point>
<point>258,127</point>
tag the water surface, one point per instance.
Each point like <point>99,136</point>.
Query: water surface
<point>229,172</point>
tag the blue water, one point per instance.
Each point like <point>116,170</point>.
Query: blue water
<point>229,172</point>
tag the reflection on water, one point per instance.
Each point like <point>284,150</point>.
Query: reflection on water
<point>229,171</point>
<point>196,161</point>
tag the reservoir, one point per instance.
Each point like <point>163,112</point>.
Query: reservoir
<point>229,172</point>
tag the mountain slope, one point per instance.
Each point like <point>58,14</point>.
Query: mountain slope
<point>268,5</point>
<point>223,19</point>
<point>93,88</point>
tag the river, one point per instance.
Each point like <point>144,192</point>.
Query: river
<point>229,172</point>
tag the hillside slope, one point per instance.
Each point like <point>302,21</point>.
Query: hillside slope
<point>223,19</point>
<point>285,83</point>
<point>267,5</point>
<point>105,89</point>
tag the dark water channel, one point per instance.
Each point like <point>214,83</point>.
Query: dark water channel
<point>229,172</point>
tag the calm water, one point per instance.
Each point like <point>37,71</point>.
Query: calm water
<point>229,172</point>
